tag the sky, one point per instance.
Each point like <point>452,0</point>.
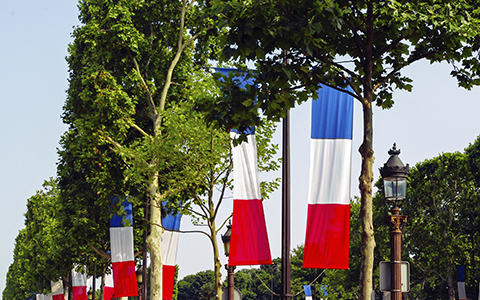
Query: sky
<point>436,117</point>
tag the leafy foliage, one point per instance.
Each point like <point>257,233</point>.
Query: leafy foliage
<point>362,45</point>
<point>42,249</point>
<point>198,286</point>
<point>130,63</point>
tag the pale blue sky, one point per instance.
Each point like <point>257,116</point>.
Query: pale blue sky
<point>436,117</point>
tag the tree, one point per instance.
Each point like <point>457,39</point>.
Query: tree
<point>362,45</point>
<point>439,191</point>
<point>197,287</point>
<point>42,253</point>
<point>128,62</point>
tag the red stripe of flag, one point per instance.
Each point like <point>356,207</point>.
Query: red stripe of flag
<point>124,278</point>
<point>79,292</point>
<point>249,241</point>
<point>168,281</point>
<point>329,236</point>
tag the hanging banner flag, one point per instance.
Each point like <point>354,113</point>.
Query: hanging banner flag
<point>43,297</point>
<point>108,289</point>
<point>308,292</point>
<point>79,286</point>
<point>171,224</point>
<point>57,290</point>
<point>328,220</point>
<point>249,242</point>
<point>121,243</point>
<point>462,294</point>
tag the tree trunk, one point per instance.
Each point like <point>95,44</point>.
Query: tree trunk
<point>451,286</point>
<point>217,263</point>
<point>366,209</point>
<point>102,285</point>
<point>154,241</point>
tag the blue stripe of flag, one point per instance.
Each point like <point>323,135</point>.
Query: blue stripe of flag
<point>171,222</point>
<point>461,273</point>
<point>332,115</point>
<point>121,217</point>
<point>239,76</point>
<point>308,290</point>
<point>242,79</point>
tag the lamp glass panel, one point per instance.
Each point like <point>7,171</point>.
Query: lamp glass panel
<point>395,187</point>
<point>227,247</point>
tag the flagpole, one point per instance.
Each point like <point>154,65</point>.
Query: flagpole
<point>286,290</point>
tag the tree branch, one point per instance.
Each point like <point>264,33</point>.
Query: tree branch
<point>151,103</point>
<point>142,131</point>
<point>100,252</point>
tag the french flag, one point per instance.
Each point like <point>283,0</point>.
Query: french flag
<point>328,220</point>
<point>79,286</point>
<point>171,225</point>
<point>108,289</point>
<point>462,293</point>
<point>121,242</point>
<point>249,242</point>
<point>57,290</point>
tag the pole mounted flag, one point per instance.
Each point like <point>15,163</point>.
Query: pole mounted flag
<point>249,241</point>
<point>462,294</point>
<point>79,286</point>
<point>108,289</point>
<point>121,242</point>
<point>57,290</point>
<point>328,221</point>
<point>171,224</point>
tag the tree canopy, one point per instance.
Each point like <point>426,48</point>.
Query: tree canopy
<point>363,45</point>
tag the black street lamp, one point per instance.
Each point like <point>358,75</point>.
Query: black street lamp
<point>90,294</point>
<point>139,274</point>
<point>230,269</point>
<point>395,174</point>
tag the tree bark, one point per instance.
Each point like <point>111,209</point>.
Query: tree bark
<point>366,209</point>
<point>217,263</point>
<point>154,241</point>
<point>366,176</point>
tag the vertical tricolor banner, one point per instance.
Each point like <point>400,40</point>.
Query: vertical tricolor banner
<point>57,290</point>
<point>249,242</point>
<point>121,242</point>
<point>328,221</point>
<point>79,286</point>
<point>171,224</point>
<point>462,293</point>
<point>108,289</point>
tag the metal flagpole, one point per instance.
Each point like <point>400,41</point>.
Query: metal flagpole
<point>286,288</point>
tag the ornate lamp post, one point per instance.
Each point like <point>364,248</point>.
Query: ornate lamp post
<point>90,294</point>
<point>395,174</point>
<point>139,274</point>
<point>230,269</point>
